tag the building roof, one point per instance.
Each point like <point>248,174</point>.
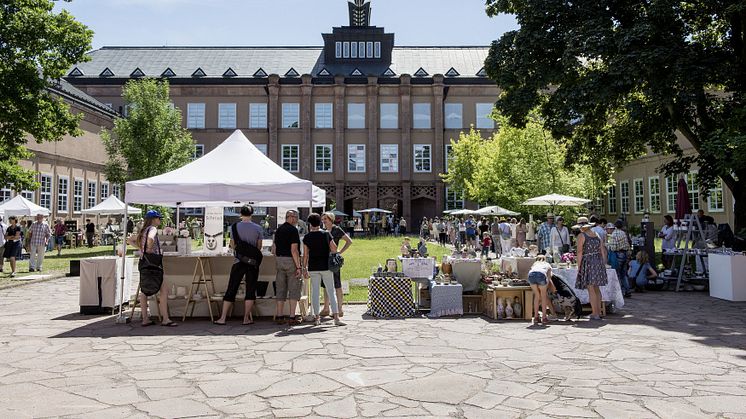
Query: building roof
<point>65,89</point>
<point>246,62</point>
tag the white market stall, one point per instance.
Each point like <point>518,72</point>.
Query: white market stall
<point>20,206</point>
<point>234,173</point>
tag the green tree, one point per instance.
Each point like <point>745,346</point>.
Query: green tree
<point>150,140</point>
<point>515,164</point>
<point>619,78</point>
<point>37,46</point>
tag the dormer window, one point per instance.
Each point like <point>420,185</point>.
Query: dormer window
<point>346,50</point>
<point>377,50</point>
<point>338,50</point>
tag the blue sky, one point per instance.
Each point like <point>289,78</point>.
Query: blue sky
<point>280,22</point>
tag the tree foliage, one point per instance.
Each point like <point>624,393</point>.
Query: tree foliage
<point>618,76</point>
<point>150,140</point>
<point>37,46</point>
<point>515,164</point>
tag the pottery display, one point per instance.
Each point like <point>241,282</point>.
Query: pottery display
<point>500,309</point>
<point>508,311</point>
<point>517,309</point>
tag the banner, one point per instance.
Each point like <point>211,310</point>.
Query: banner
<point>213,230</point>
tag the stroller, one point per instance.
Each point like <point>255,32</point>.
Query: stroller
<point>565,299</point>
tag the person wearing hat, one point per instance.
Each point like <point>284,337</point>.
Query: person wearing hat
<point>544,235</point>
<point>147,241</point>
<point>591,266</point>
<point>619,244</point>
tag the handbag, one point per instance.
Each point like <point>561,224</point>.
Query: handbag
<point>565,248</point>
<point>151,270</point>
<point>336,261</point>
<point>245,252</point>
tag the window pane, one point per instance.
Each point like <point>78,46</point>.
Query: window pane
<point>353,50</point>
<point>691,183</point>
<point>290,158</point>
<point>45,191</point>
<point>356,115</point>
<point>612,200</point>
<point>195,115</point>
<point>654,192</point>
<point>258,115</point>
<point>389,115</point>
<point>262,148</point>
<point>639,196</point>
<point>92,186</point>
<point>323,158</point>
<point>356,158</point>
<point>62,188</point>
<point>454,200</point>
<point>377,48</point>
<point>291,115</point>
<point>454,116</point>
<point>5,194</point>
<point>484,111</point>
<point>324,115</point>
<point>227,116</point>
<point>370,49</point>
<point>671,192</point>
<point>338,50</point>
<point>421,116</point>
<point>78,195</point>
<point>624,187</point>
<point>346,50</point>
<point>389,158</point>
<point>422,158</point>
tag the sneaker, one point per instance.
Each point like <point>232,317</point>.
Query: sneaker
<point>32,270</point>
<point>339,323</point>
<point>12,274</point>
<point>596,318</point>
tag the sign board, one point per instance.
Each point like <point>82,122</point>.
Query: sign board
<point>418,267</point>
<point>213,239</point>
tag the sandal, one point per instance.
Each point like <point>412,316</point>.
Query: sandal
<point>250,322</point>
<point>169,324</point>
<point>218,323</point>
<point>150,323</point>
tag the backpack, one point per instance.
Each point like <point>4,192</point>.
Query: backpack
<point>245,251</point>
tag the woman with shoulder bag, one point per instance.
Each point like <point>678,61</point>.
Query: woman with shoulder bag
<point>560,239</point>
<point>151,269</point>
<point>317,246</point>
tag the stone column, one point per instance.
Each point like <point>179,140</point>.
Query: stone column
<point>405,124</point>
<point>406,190</point>
<point>306,148</point>
<point>439,144</point>
<point>273,116</point>
<point>340,148</point>
<point>373,150</point>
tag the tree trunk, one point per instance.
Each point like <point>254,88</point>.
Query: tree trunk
<point>739,212</point>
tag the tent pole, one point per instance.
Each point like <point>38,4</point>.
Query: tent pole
<point>122,318</point>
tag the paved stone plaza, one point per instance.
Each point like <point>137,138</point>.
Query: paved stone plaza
<point>666,355</point>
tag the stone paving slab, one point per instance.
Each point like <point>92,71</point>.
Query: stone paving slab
<point>664,355</point>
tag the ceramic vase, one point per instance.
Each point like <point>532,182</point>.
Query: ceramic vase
<point>508,311</point>
<point>500,309</point>
<point>517,309</point>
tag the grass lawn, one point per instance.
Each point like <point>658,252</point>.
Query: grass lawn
<point>365,255</point>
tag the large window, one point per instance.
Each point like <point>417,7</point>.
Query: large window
<point>116,190</point>
<point>353,50</point>
<point>199,151</point>
<point>377,50</point>
<point>104,190</point>
<point>454,118</point>
<point>262,148</point>
<point>92,186</point>
<point>422,158</point>
<point>5,194</point>
<point>323,159</point>
<point>324,116</point>
<point>291,115</point>
<point>227,116</point>
<point>78,195</point>
<point>454,200</point>
<point>389,115</point>
<point>624,188</point>
<point>63,186</point>
<point>28,194</point>
<point>484,113</point>
<point>654,192</point>
<point>257,115</point>
<point>691,184</point>
<point>346,50</point>
<point>290,157</point>
<point>612,199</point>
<point>421,116</point>
<point>338,50</point>
<point>639,196</point>
<point>389,158</point>
<point>45,191</point>
<point>715,200</point>
<point>672,188</point>
<point>449,152</point>
<point>195,115</point>
<point>356,115</point>
<point>356,158</point>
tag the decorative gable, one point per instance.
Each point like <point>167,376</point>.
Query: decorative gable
<point>421,73</point>
<point>260,73</point>
<point>199,73</point>
<point>356,72</point>
<point>168,73</point>
<point>324,72</point>
<point>107,73</point>
<point>482,73</point>
<point>137,73</point>
<point>389,73</point>
<point>292,73</point>
<point>76,72</point>
<point>452,73</point>
<point>229,73</point>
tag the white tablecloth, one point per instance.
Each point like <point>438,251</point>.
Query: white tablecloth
<point>612,292</point>
<point>418,267</point>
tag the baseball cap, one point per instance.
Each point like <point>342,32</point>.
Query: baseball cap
<point>153,214</point>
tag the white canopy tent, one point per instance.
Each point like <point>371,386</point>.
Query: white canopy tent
<point>464,212</point>
<point>112,206</point>
<point>554,200</point>
<point>496,210</point>
<point>21,206</point>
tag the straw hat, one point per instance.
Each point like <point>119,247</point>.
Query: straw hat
<point>582,223</point>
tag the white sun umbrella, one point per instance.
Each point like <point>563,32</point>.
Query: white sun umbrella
<point>496,210</point>
<point>21,206</point>
<point>112,206</point>
<point>464,212</point>
<point>554,200</point>
<point>378,210</point>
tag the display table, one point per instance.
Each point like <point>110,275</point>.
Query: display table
<point>521,265</point>
<point>728,276</point>
<point>468,272</point>
<point>611,292</point>
<point>390,297</point>
<point>100,283</point>
<point>491,297</point>
<point>445,300</point>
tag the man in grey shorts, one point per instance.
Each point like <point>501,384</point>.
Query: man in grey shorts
<point>289,280</point>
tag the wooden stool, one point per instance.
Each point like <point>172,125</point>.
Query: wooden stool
<point>201,278</point>
<point>137,302</point>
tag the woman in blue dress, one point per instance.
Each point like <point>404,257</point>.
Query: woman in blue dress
<point>591,266</point>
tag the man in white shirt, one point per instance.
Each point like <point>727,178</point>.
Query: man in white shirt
<point>599,227</point>
<point>3,227</point>
<point>505,237</point>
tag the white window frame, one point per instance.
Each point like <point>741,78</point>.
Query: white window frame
<point>448,150</point>
<point>45,194</point>
<point>654,194</point>
<point>377,49</point>
<point>716,192</point>
<point>452,200</point>
<point>624,198</point>
<point>454,115</point>
<point>425,161</point>
<point>612,203</point>
<point>419,122</point>
<point>353,50</point>
<point>104,194</point>
<point>5,194</point>
<point>262,148</point>
<point>257,116</point>
<point>346,49</point>
<point>389,160</point>
<point>227,116</point>
<point>338,49</point>
<point>291,115</point>
<point>639,195</point>
<point>323,159</point>
<point>672,189</point>
<point>63,192</point>
<point>361,49</point>
<point>116,190</point>
<point>196,115</point>
<point>691,185</point>
<point>78,195</point>
<point>483,120</point>
<point>290,163</point>
<point>354,123</point>
<point>324,115</point>
<point>356,155</point>
<point>389,116</point>
<point>92,195</point>
<point>199,151</point>
<point>369,45</point>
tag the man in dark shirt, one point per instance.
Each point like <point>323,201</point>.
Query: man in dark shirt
<point>90,232</point>
<point>289,280</point>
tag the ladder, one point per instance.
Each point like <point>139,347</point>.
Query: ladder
<point>689,240</point>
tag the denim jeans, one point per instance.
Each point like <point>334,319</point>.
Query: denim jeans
<point>328,278</point>
<point>621,270</point>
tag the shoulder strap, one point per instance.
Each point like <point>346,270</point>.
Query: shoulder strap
<point>638,271</point>
<point>236,237</point>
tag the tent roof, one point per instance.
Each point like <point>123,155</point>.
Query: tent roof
<point>111,206</point>
<point>557,200</point>
<point>234,172</point>
<point>21,206</point>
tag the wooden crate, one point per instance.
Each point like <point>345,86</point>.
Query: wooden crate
<point>473,301</point>
<point>490,297</point>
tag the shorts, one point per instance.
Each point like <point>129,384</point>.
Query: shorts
<point>337,281</point>
<point>537,278</point>
<point>287,285</point>
<point>59,240</point>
